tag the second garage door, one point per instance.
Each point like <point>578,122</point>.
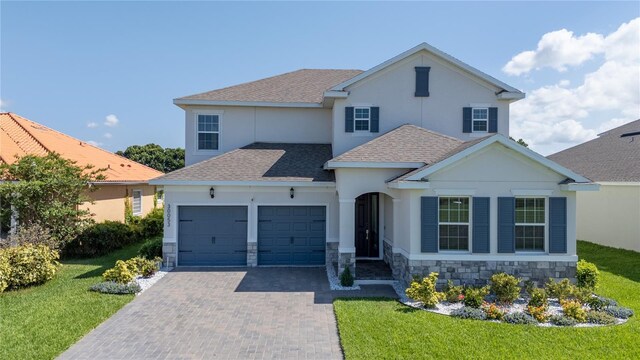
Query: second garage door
<point>212,236</point>
<point>291,235</point>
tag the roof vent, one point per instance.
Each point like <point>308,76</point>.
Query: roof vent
<point>630,134</point>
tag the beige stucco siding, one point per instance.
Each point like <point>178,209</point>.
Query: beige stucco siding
<point>611,216</point>
<point>393,90</point>
<point>109,201</point>
<point>240,126</point>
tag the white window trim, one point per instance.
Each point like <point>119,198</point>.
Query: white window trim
<point>546,226</point>
<point>368,119</point>
<point>196,114</point>
<point>469,224</point>
<point>133,200</point>
<point>473,120</point>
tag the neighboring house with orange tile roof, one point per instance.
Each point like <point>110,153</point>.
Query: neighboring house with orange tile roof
<point>124,178</point>
<point>408,163</point>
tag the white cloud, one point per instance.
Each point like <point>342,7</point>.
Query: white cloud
<point>554,117</point>
<point>94,143</point>
<point>556,50</point>
<point>92,125</point>
<point>107,135</point>
<point>111,120</point>
<point>3,105</point>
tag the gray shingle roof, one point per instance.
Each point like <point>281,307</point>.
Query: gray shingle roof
<point>610,157</point>
<point>301,86</point>
<point>261,162</point>
<point>407,143</point>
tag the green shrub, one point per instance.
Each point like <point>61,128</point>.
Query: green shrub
<point>469,313</point>
<point>110,287</point>
<point>28,265</point>
<point>33,234</point>
<point>600,317</point>
<point>529,286</point>
<point>559,320</point>
<point>573,309</point>
<point>599,303</point>
<point>346,279</point>
<point>102,238</point>
<point>561,290</point>
<point>583,295</point>
<point>474,296</point>
<point>520,318</point>
<point>453,293</point>
<point>152,224</point>
<point>5,272</point>
<point>492,311</point>
<point>538,312</point>
<point>151,248</point>
<point>505,287</point>
<point>142,266</point>
<point>122,273</point>
<point>619,312</point>
<point>425,290</point>
<point>538,298</point>
<point>587,275</point>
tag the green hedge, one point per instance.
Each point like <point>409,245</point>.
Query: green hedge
<point>27,265</point>
<point>103,238</point>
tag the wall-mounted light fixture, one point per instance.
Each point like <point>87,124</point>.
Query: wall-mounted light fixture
<point>291,192</point>
<point>212,192</point>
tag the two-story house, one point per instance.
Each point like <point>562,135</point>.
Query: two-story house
<point>409,162</point>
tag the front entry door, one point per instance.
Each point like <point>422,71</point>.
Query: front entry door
<point>367,226</point>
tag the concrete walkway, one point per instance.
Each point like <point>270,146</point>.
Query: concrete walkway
<point>206,313</point>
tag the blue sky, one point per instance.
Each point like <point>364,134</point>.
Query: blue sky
<point>107,71</point>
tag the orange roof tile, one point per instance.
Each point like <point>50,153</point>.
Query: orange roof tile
<point>20,136</point>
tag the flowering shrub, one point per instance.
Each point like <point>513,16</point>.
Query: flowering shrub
<point>573,309</point>
<point>425,290</point>
<point>453,293</point>
<point>492,311</point>
<point>538,312</point>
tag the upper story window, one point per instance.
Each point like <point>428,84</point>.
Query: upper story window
<point>530,224</point>
<point>453,223</point>
<point>362,117</point>
<point>480,119</point>
<point>208,132</point>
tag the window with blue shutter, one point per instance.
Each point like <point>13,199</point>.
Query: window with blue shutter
<point>348,119</point>
<point>558,225</point>
<point>466,120</point>
<point>429,224</point>
<point>480,223</point>
<point>506,224</point>
<point>422,81</point>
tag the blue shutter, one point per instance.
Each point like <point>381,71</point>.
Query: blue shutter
<point>506,224</point>
<point>429,224</point>
<point>480,224</point>
<point>375,119</point>
<point>466,120</point>
<point>558,225</point>
<point>422,81</point>
<point>493,119</point>
<point>348,119</point>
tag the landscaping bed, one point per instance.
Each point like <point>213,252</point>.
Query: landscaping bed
<point>386,328</point>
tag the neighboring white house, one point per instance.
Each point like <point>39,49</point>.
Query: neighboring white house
<point>409,162</point>
<point>611,216</point>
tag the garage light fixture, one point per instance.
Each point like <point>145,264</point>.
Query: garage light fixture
<point>212,192</point>
<point>291,192</point>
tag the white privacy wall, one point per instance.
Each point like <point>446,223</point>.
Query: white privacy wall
<point>241,126</point>
<point>393,89</point>
<point>252,197</point>
<point>611,216</point>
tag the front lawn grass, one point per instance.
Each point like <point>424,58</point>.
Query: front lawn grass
<point>42,321</point>
<point>386,329</point>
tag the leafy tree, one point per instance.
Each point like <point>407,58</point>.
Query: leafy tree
<point>520,141</point>
<point>47,192</point>
<point>155,156</point>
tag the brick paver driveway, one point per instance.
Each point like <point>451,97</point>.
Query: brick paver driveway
<point>273,313</point>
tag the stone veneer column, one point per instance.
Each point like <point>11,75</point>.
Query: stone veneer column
<point>346,247</point>
<point>252,254</point>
